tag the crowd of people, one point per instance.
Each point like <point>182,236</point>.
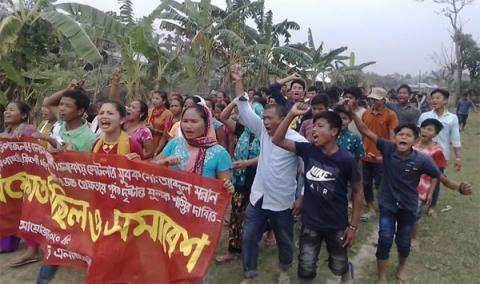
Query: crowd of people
<point>287,152</point>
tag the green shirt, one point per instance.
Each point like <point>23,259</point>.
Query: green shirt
<point>81,138</point>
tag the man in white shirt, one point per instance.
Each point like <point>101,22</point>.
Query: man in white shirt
<point>450,134</point>
<point>353,94</point>
<point>273,190</point>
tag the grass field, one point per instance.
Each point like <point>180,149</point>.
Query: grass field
<point>449,246</point>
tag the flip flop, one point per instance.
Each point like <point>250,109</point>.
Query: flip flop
<point>23,262</point>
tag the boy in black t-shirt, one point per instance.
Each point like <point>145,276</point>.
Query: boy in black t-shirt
<point>328,169</point>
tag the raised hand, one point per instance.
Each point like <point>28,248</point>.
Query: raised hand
<point>348,105</point>
<point>75,84</point>
<point>299,109</point>
<point>116,76</point>
<point>295,76</point>
<point>237,72</point>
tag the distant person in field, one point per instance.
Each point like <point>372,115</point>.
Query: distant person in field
<point>463,108</point>
<point>450,134</point>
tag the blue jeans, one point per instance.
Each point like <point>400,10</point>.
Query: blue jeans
<point>253,228</point>
<point>403,220</point>
<point>46,274</point>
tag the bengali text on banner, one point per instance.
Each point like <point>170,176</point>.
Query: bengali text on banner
<point>125,221</point>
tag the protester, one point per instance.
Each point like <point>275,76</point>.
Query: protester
<point>463,108</point>
<point>449,135</point>
<point>245,159</point>
<point>176,107</point>
<point>297,90</point>
<point>381,121</point>
<point>135,126</point>
<point>195,151</point>
<point>346,139</point>
<point>273,190</point>
<point>217,125</point>
<point>74,135</point>
<point>406,111</point>
<point>114,139</point>
<point>354,95</point>
<point>49,125</point>
<point>428,130</point>
<point>398,200</point>
<point>15,118</point>
<point>158,114</point>
<point>328,169</point>
<point>319,103</point>
<point>311,93</point>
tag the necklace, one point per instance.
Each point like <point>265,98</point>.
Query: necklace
<point>108,147</point>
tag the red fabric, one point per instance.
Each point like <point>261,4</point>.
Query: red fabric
<point>135,147</point>
<point>103,212</point>
<point>434,151</point>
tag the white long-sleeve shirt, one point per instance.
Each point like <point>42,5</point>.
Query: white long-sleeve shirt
<point>275,179</point>
<point>450,133</point>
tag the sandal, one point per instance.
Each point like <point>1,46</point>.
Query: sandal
<point>226,258</point>
<point>22,262</point>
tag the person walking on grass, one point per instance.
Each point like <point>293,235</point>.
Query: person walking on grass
<point>463,109</point>
<point>272,195</point>
<point>398,198</point>
<point>381,121</point>
<point>449,135</point>
<point>328,170</point>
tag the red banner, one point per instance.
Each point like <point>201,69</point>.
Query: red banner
<point>125,221</point>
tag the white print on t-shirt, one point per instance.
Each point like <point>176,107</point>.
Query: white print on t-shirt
<point>317,174</point>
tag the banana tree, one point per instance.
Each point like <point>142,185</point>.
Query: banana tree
<point>135,40</point>
<point>16,35</point>
<point>265,57</point>
<point>348,74</point>
<point>208,30</point>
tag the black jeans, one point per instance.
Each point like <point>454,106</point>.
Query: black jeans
<point>372,175</point>
<point>310,244</point>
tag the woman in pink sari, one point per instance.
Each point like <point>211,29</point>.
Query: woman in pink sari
<point>15,117</point>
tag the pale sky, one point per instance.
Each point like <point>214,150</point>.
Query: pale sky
<point>401,35</point>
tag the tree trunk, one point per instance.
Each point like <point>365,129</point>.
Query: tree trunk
<point>458,74</point>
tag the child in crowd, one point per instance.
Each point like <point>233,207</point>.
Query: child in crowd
<point>318,104</point>
<point>328,170</point>
<point>429,129</point>
<point>449,135</point>
<point>398,198</point>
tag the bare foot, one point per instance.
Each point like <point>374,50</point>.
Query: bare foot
<point>401,277</point>
<point>414,245</point>
<point>431,213</point>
